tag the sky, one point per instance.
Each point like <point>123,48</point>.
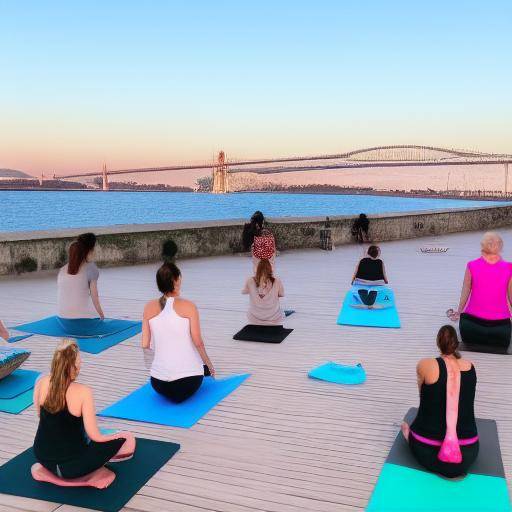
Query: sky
<point>133,83</point>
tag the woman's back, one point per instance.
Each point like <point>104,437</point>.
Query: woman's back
<point>264,307</point>
<point>176,356</point>
<point>430,421</point>
<point>370,269</point>
<point>489,289</point>
<point>74,297</point>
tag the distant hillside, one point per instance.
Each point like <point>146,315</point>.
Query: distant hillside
<point>11,173</point>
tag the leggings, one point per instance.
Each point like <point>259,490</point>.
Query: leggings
<point>94,456</point>
<point>477,331</point>
<point>179,390</point>
<point>368,297</point>
<point>426,455</point>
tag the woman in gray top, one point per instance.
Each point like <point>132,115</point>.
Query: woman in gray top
<point>78,282</point>
<point>264,292</point>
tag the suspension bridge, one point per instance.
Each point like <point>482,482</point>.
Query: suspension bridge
<point>379,156</point>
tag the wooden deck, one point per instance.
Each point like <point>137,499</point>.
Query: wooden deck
<point>281,442</point>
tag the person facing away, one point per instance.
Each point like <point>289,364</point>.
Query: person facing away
<point>264,292</point>
<point>172,329</point>
<point>77,282</point>
<point>443,437</point>
<point>251,229</point>
<point>370,269</point>
<point>68,442</point>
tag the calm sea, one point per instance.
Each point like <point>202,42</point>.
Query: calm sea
<point>27,211</point>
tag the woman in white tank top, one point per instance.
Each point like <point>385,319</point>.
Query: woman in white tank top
<point>171,328</point>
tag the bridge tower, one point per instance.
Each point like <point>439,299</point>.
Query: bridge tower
<point>41,179</point>
<point>220,176</point>
<point>506,179</point>
<point>105,185</point>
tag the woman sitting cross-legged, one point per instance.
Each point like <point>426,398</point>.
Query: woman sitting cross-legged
<point>370,269</point>
<point>172,329</point>
<point>486,298</point>
<point>68,442</point>
<point>443,437</point>
<point>264,292</point>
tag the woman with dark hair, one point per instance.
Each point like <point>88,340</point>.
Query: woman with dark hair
<point>264,292</point>
<point>443,437</point>
<point>68,442</point>
<point>172,329</point>
<point>252,229</point>
<point>360,228</point>
<point>370,270</point>
<point>78,282</point>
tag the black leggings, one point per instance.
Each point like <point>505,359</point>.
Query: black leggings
<point>179,390</point>
<point>477,331</point>
<point>95,456</point>
<point>426,455</point>
<point>368,297</point>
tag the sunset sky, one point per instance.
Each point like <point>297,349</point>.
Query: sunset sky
<point>134,83</point>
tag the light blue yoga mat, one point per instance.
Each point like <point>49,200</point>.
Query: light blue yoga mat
<point>92,334</point>
<point>14,339</point>
<point>339,373</point>
<point>146,405</point>
<point>18,403</point>
<point>387,317</point>
<point>17,383</point>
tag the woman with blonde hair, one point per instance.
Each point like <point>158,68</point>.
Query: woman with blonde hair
<point>484,307</point>
<point>68,442</point>
<point>264,292</point>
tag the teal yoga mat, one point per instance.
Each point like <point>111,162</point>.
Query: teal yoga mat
<point>387,317</point>
<point>15,339</point>
<point>405,486</point>
<point>131,475</point>
<point>92,334</point>
<point>339,373</point>
<point>18,382</point>
<point>146,405</point>
<point>18,403</point>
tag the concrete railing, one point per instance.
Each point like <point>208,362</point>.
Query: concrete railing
<point>127,245</point>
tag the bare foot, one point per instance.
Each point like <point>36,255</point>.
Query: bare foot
<point>405,430</point>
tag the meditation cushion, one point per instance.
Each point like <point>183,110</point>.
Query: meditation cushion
<point>100,479</point>
<point>11,359</point>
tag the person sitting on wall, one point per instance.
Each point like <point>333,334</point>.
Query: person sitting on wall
<point>172,329</point>
<point>68,442</point>
<point>264,292</point>
<point>77,282</point>
<point>250,230</point>
<point>360,228</point>
<point>486,297</point>
<point>443,438</point>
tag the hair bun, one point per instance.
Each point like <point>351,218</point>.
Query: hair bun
<point>169,250</point>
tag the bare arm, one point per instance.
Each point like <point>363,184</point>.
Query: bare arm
<point>4,333</point>
<point>355,274</point>
<point>280,292</point>
<point>384,273</point>
<point>245,289</point>
<point>195,332</point>
<point>37,391</point>
<point>93,285</point>
<point>146,330</point>
<point>510,294</point>
<point>466,291</point>
<point>89,417</point>
<point>420,375</point>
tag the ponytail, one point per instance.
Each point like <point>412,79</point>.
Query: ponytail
<point>168,273</point>
<point>447,341</point>
<point>79,250</point>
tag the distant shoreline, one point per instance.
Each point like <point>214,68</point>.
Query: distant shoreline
<point>355,192</point>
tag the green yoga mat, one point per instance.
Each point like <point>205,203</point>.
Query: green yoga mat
<point>131,475</point>
<point>405,486</point>
<point>17,404</point>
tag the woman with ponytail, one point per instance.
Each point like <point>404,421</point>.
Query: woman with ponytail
<point>264,292</point>
<point>78,282</point>
<point>171,327</point>
<point>68,442</point>
<point>443,437</point>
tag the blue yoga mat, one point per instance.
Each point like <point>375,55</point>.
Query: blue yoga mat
<point>387,317</point>
<point>18,403</point>
<point>14,339</point>
<point>17,383</point>
<point>92,334</point>
<point>339,373</point>
<point>145,405</point>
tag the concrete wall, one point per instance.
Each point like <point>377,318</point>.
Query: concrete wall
<point>126,245</point>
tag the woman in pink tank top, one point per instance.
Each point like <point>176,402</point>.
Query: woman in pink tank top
<point>485,303</point>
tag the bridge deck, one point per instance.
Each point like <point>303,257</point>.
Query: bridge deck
<point>281,442</point>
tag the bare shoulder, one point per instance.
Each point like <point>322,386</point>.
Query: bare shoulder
<point>77,389</point>
<point>184,306</point>
<point>465,364</point>
<point>424,365</point>
<point>152,308</point>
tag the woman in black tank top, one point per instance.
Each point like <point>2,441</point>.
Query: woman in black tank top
<point>62,445</point>
<point>370,269</point>
<point>427,432</point>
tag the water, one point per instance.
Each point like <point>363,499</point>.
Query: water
<point>27,210</point>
